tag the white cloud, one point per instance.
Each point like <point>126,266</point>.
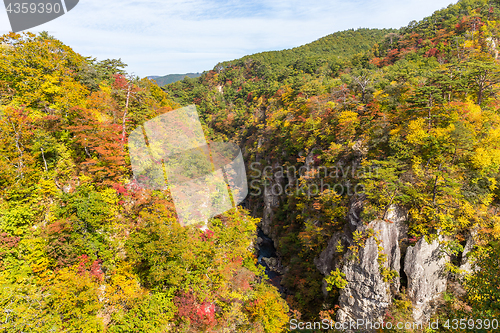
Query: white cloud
<point>162,37</point>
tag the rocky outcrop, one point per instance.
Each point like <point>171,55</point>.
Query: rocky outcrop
<point>367,296</point>
<point>274,264</point>
<point>466,265</point>
<point>425,269</point>
<point>493,46</point>
<point>398,215</point>
<point>271,197</point>
<point>330,258</point>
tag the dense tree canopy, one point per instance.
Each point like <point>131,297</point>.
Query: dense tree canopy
<point>414,111</point>
<point>83,248</point>
<point>408,117</point>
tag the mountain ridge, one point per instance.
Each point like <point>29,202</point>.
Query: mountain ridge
<point>171,78</point>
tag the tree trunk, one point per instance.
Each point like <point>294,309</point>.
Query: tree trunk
<point>44,161</point>
<point>125,114</point>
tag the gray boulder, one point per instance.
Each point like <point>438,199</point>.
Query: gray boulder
<point>425,269</point>
<point>367,296</point>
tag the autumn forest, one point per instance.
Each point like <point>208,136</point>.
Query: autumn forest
<point>408,118</point>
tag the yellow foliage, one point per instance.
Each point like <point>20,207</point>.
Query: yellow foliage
<point>102,117</point>
<point>474,113</point>
<point>484,158</point>
<point>104,87</point>
<point>496,227</point>
<point>443,133</point>
<point>416,132</point>
<point>110,196</point>
<point>379,93</point>
<point>493,137</point>
<point>269,309</point>
<point>348,117</point>
<point>50,86</point>
<point>417,166</point>
<point>76,295</point>
<point>124,288</point>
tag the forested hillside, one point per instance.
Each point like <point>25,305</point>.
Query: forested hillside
<point>365,150</point>
<point>83,248</point>
<point>171,78</point>
<point>380,122</point>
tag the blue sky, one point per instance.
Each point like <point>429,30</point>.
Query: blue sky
<point>173,36</point>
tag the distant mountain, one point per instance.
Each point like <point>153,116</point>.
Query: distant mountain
<point>170,78</point>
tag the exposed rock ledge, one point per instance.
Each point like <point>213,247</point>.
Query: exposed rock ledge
<point>367,296</point>
<point>425,268</point>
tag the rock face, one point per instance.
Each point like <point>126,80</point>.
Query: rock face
<point>397,215</point>
<point>274,265</point>
<point>466,265</point>
<point>367,296</point>
<point>329,259</point>
<point>271,196</point>
<point>425,269</point>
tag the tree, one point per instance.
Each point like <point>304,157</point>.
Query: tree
<point>483,75</point>
<point>482,285</point>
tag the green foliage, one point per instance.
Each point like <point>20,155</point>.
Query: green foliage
<point>171,78</point>
<point>82,247</point>
<point>482,285</point>
<point>153,313</point>
<point>16,220</point>
<point>336,279</point>
<point>404,117</point>
<point>414,111</point>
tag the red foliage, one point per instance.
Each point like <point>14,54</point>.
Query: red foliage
<point>413,240</point>
<point>96,270</point>
<point>431,52</point>
<point>8,242</point>
<point>392,56</point>
<point>120,189</point>
<point>206,311</point>
<point>377,62</point>
<point>103,141</point>
<point>120,82</point>
<point>199,315</point>
<point>208,234</point>
<point>83,261</point>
